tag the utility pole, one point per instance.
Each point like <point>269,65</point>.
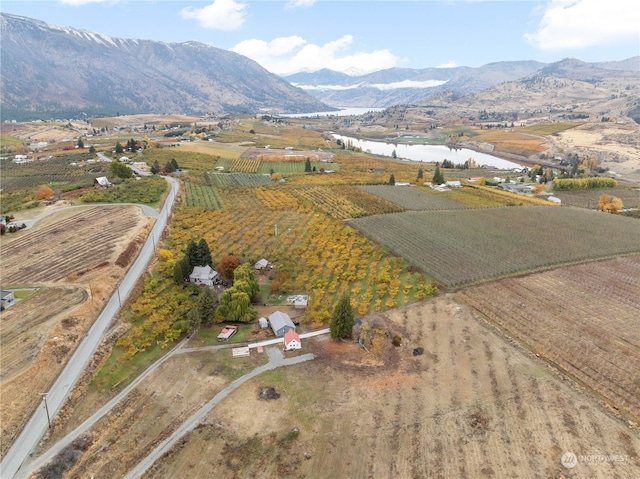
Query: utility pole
<point>118,291</point>
<point>46,407</point>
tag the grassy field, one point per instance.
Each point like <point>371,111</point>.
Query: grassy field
<point>462,247</point>
<point>549,128</point>
<point>512,141</point>
<point>411,198</point>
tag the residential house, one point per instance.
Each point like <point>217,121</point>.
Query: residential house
<point>280,323</point>
<point>291,340</point>
<point>204,275</point>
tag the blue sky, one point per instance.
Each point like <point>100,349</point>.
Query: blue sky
<point>363,36</point>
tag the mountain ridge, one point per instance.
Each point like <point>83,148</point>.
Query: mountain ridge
<point>97,74</point>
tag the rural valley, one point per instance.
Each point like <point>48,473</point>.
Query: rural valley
<point>197,284</point>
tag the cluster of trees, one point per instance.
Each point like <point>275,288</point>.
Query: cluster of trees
<point>610,204</point>
<point>120,170</point>
<point>235,302</point>
<point>583,183</point>
<point>171,166</point>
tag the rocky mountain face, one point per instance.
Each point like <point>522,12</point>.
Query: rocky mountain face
<point>50,71</point>
<point>568,84</point>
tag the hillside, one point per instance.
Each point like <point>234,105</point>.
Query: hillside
<point>64,72</point>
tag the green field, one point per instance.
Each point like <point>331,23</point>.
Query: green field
<point>227,180</point>
<point>467,246</point>
<point>411,198</point>
<point>202,196</point>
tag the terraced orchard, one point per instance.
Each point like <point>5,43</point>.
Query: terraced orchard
<point>583,318</point>
<point>465,246</point>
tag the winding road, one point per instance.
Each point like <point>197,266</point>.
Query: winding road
<point>37,425</point>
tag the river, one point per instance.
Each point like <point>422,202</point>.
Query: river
<point>430,153</point>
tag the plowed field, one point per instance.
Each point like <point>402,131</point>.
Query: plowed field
<point>585,318</point>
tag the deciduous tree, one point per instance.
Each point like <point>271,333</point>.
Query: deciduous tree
<point>120,170</point>
<point>244,279</point>
<point>235,306</point>
<point>44,193</point>
<point>227,265</point>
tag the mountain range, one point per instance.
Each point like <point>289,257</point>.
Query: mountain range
<point>52,71</point>
<point>396,86</point>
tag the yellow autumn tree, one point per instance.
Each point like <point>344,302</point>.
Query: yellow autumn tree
<point>44,193</point>
<point>610,204</point>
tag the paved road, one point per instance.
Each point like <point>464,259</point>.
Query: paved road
<point>28,440</point>
<point>275,361</point>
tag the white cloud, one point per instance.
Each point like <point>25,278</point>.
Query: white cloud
<point>220,15</point>
<point>407,84</point>
<point>293,54</point>
<point>575,24</point>
<point>299,3</point>
<point>378,86</point>
<point>449,64</point>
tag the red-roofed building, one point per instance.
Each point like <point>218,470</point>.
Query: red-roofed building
<point>292,340</point>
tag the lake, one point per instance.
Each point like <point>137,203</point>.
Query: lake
<point>429,153</point>
<point>343,111</point>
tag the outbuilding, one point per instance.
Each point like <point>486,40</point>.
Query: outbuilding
<point>280,323</point>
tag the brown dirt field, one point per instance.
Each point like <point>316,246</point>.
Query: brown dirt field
<point>40,333</point>
<point>584,318</point>
<point>154,409</point>
<point>475,404</point>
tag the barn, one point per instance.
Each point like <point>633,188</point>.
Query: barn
<point>280,323</point>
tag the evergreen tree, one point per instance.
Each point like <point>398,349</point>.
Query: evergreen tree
<point>307,165</point>
<point>181,270</point>
<point>192,253</point>
<point>393,154</point>
<point>155,169</point>
<point>92,149</point>
<point>392,180</point>
<point>420,174</point>
<point>204,254</point>
<point>342,318</point>
<point>169,168</point>
<point>438,176</point>
<point>193,317</point>
<point>206,306</point>
<point>174,164</point>
<point>80,143</point>
<point>119,149</point>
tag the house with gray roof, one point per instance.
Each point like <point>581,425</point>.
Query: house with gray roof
<point>204,275</point>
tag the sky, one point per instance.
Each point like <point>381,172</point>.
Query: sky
<point>358,37</point>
